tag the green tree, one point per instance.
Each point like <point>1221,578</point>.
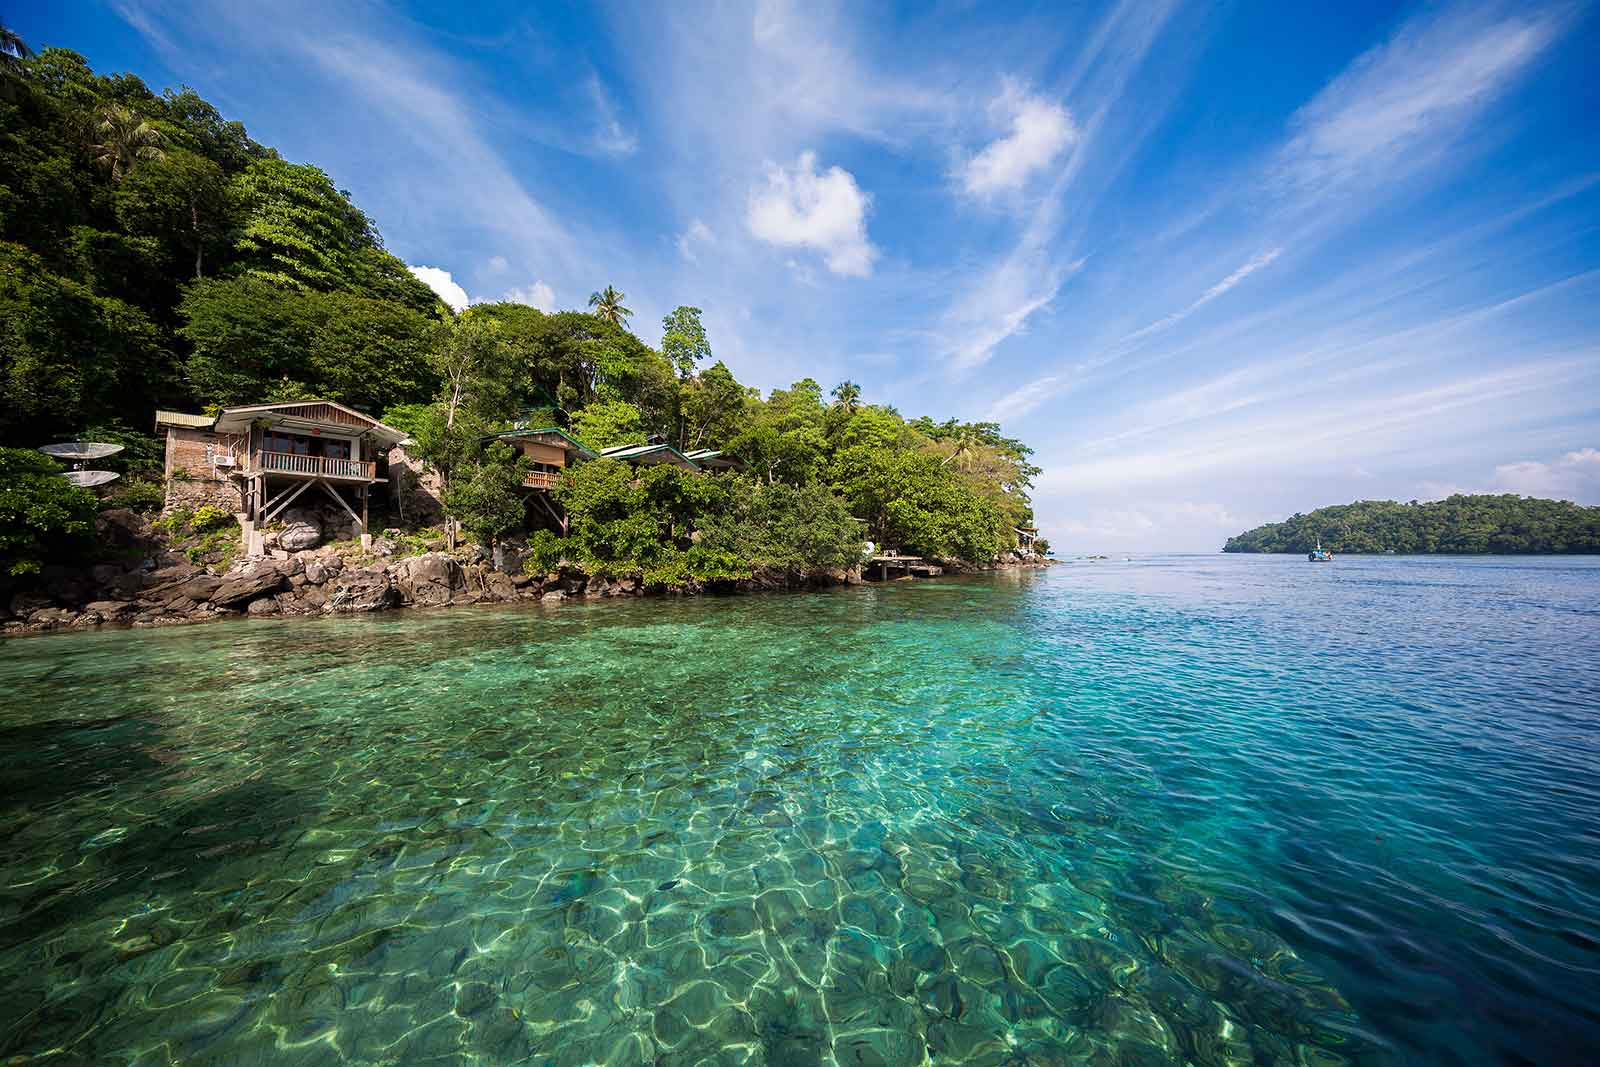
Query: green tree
<point>683,340</point>
<point>608,423</point>
<point>642,523</point>
<point>1504,524</point>
<point>69,357</point>
<point>787,530</point>
<point>847,397</point>
<point>477,372</point>
<point>370,354</point>
<point>42,516</point>
<point>784,439</point>
<point>486,496</point>
<point>123,140</point>
<point>253,341</point>
<point>713,408</point>
<point>181,198</point>
<point>607,304</point>
<point>244,335</point>
<point>296,228</point>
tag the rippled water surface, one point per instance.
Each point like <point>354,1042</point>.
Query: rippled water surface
<point>1211,810</point>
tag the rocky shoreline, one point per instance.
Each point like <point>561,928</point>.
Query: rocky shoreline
<point>165,589</point>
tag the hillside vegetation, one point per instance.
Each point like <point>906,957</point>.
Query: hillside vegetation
<point>1504,524</point>
<point>152,254</point>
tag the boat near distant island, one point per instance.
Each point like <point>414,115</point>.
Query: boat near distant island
<point>1319,554</point>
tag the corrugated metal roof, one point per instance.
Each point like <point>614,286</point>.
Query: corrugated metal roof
<point>548,429</point>
<point>631,452</point>
<point>179,418</point>
<point>624,451</point>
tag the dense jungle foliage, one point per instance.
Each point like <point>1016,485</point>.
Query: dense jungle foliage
<point>153,255</point>
<point>1505,524</point>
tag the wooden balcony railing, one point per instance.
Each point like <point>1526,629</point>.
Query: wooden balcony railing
<point>541,480</point>
<point>314,466</point>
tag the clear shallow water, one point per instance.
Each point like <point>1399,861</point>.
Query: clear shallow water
<point>1205,810</point>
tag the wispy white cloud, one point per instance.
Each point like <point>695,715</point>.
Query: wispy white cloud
<point>802,207</point>
<point>807,77</point>
<point>1037,131</point>
<point>1255,263</point>
<point>610,137</point>
<point>1574,476</point>
<point>1028,276</point>
<point>440,281</point>
<point>496,265</point>
<point>1341,423</point>
<point>691,239</point>
<point>1000,305</point>
<point>1101,527</point>
<point>1398,105</point>
<point>537,295</point>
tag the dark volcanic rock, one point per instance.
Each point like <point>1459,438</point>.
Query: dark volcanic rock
<point>429,579</point>
<point>263,577</point>
<point>363,590</point>
<point>121,528</point>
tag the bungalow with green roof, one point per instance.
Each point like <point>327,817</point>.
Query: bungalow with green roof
<point>650,454</point>
<point>714,459</point>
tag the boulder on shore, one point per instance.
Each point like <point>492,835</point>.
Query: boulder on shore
<point>429,579</point>
<point>302,529</point>
<point>262,577</point>
<point>361,591</point>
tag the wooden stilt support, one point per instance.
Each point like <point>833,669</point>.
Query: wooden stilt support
<point>559,516</point>
<point>331,491</point>
<point>284,500</point>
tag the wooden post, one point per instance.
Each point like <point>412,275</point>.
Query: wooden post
<point>364,491</point>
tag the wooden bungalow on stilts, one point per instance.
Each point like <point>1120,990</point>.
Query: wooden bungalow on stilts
<point>551,451</point>
<point>257,460</point>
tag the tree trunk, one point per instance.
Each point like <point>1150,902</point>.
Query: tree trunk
<point>199,245</point>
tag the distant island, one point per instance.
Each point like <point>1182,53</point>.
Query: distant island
<point>1460,525</point>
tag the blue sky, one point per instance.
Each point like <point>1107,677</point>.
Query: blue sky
<point>1217,262</point>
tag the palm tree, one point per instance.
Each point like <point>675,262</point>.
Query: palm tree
<point>13,50</point>
<point>125,140</point>
<point>847,395</point>
<point>607,305</point>
<point>964,446</point>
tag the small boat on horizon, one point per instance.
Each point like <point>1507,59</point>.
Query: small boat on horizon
<point>1319,554</point>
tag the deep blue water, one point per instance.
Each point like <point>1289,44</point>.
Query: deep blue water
<point>1206,810</point>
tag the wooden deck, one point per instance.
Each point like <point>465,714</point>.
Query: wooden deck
<point>890,563</point>
<point>293,464</point>
<point>541,480</point>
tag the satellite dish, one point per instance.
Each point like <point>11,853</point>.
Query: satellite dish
<point>86,479</point>
<point>78,451</point>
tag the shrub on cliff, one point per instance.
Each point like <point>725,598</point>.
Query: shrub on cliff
<point>42,516</point>
<point>793,529</point>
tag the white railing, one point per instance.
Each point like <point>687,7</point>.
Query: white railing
<point>316,466</point>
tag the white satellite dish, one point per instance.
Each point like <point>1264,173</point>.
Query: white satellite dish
<point>78,451</point>
<point>87,479</point>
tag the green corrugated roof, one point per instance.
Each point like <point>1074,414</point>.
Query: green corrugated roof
<point>635,451</point>
<point>549,429</point>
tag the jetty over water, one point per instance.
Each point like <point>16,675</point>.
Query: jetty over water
<point>893,563</point>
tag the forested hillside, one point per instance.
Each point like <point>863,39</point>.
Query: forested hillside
<point>153,255</point>
<point>1507,524</point>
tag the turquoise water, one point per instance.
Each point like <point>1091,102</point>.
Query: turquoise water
<point>1205,810</point>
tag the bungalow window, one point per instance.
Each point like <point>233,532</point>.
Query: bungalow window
<point>290,443</point>
<point>300,445</point>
